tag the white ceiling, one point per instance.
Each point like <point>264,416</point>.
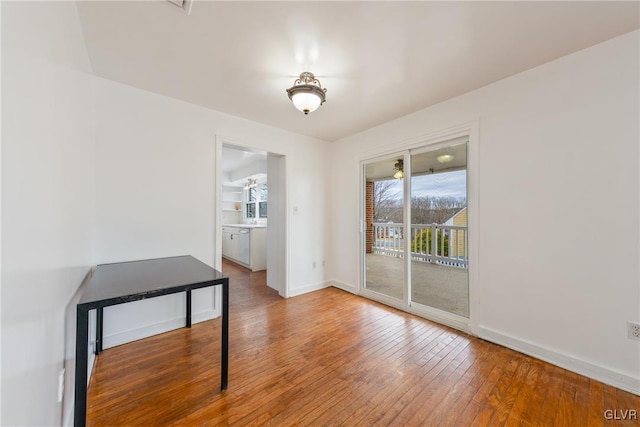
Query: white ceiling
<point>238,165</point>
<point>378,60</point>
<point>235,158</point>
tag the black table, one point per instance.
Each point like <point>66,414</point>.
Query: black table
<point>124,282</point>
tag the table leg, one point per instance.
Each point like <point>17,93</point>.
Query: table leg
<point>224,375</point>
<point>188,325</point>
<point>99,330</point>
<point>82,343</point>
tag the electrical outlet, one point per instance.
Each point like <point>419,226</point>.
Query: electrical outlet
<point>634,330</point>
<point>61,386</point>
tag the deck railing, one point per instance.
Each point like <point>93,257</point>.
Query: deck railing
<point>434,243</point>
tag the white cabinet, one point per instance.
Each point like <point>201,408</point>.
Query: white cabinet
<point>230,240</point>
<point>245,245</point>
<point>225,243</point>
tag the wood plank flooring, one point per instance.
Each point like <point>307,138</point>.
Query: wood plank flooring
<point>332,358</point>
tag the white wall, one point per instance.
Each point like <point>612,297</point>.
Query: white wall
<point>558,212</point>
<point>47,200</point>
<point>156,195</point>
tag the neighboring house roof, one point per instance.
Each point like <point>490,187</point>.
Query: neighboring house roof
<point>461,212</point>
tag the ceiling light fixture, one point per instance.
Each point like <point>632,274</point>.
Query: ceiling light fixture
<point>306,93</point>
<point>445,158</point>
<point>399,168</point>
<point>251,183</point>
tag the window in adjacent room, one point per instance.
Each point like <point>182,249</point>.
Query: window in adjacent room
<point>256,201</point>
<point>262,205</point>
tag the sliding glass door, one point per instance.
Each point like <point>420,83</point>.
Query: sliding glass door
<point>439,249</point>
<point>384,236</point>
<point>415,242</point>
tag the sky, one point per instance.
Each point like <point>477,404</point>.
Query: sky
<point>447,184</point>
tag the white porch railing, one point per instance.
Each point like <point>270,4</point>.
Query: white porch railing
<point>434,243</point>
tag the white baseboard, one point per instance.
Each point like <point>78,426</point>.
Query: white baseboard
<point>344,286</point>
<point>307,289</point>
<point>90,362</point>
<point>67,417</point>
<point>155,329</point>
<point>607,376</point>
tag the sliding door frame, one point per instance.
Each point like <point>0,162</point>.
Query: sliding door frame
<point>405,148</point>
<point>377,296</point>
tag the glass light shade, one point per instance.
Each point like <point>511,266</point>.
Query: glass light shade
<point>306,102</point>
<point>306,93</point>
<point>398,175</point>
<point>444,158</point>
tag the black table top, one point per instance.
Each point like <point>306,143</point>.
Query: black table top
<point>129,281</point>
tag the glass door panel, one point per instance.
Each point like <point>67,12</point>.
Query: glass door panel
<point>384,235</point>
<point>438,232</point>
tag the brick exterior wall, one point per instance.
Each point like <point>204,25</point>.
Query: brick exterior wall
<point>369,216</point>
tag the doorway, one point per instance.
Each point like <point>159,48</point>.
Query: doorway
<point>415,241</point>
<point>251,211</point>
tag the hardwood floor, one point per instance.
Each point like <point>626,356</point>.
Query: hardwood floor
<point>332,358</point>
